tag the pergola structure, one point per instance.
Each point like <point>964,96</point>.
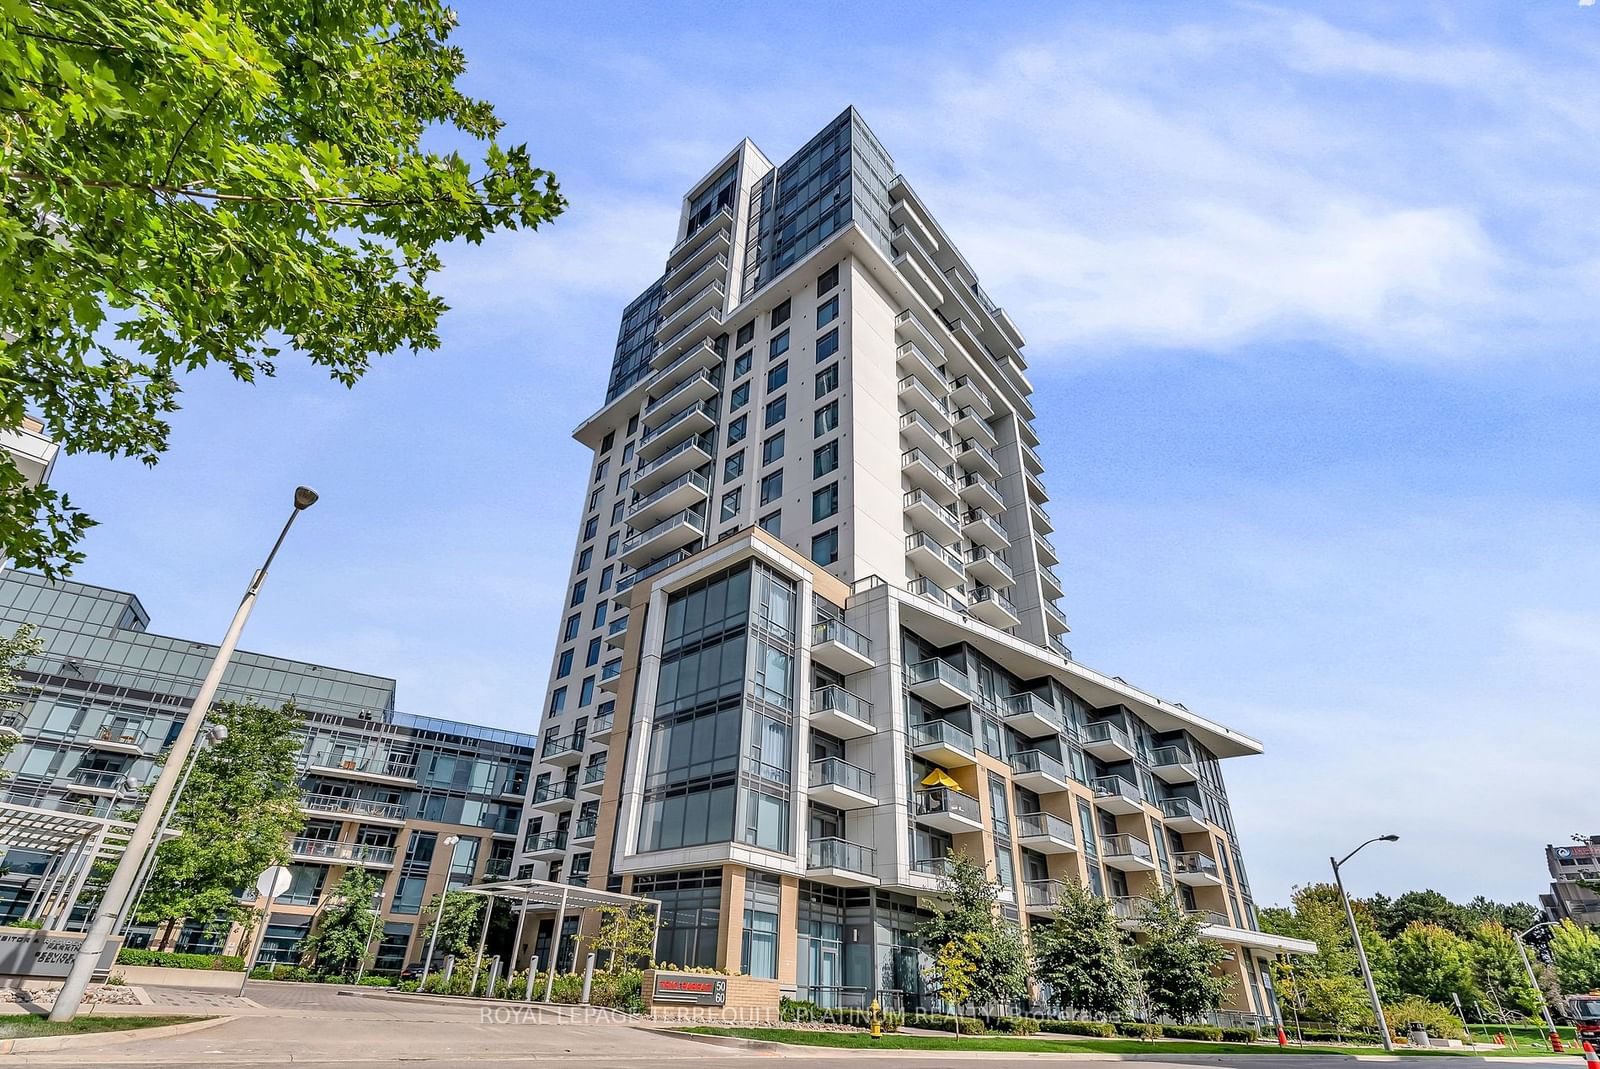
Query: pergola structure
<point>76,840</point>
<point>531,896</point>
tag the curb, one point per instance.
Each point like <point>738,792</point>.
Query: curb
<point>738,1042</point>
<point>30,1044</point>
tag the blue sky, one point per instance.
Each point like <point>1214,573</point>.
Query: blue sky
<point>1311,295</point>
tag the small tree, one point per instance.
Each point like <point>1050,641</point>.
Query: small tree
<point>236,817</point>
<point>1177,967</point>
<point>953,974</point>
<point>1497,968</point>
<point>970,906</point>
<point>15,649</point>
<point>339,942</point>
<point>1577,957</point>
<point>628,935</point>
<point>1433,963</point>
<point>459,930</point>
<point>1078,954</point>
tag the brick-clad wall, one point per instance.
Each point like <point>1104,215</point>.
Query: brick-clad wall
<point>750,1001</point>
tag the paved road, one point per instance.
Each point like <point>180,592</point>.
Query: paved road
<point>314,1027</point>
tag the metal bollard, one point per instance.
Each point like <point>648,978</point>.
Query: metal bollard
<point>494,975</point>
<point>533,970</point>
<point>449,967</point>
<point>588,978</point>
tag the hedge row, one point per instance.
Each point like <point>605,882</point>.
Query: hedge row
<point>165,959</point>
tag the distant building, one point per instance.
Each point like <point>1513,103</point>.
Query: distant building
<point>32,453</point>
<point>1574,882</point>
<point>381,789</point>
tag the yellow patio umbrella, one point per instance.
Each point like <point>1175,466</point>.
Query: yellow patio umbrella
<point>940,778</point>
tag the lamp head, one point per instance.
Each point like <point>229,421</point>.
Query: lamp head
<point>1388,838</point>
<point>304,498</point>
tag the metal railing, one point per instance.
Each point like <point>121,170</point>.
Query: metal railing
<point>982,554</point>
<point>922,497</point>
<point>836,699</point>
<point>937,669</point>
<point>982,593</point>
<point>558,744</point>
<point>832,630</point>
<point>558,790</point>
<point>704,441</point>
<point>547,841</point>
<point>358,853</point>
<point>1125,845</point>
<point>1045,893</point>
<point>918,420</point>
<point>361,807</point>
<point>834,853</point>
<point>653,433</point>
<point>1171,756</point>
<point>585,827</point>
<point>1027,703</point>
<point>1044,825</point>
<point>1193,862</point>
<point>913,456</point>
<point>1038,761</point>
<point>659,402</point>
<point>1182,807</point>
<point>688,478</point>
<point>947,800</point>
<point>1106,731</point>
<point>1116,786</point>
<point>942,733</point>
<point>687,517</point>
<point>837,772</point>
<point>923,540</point>
<point>595,773</point>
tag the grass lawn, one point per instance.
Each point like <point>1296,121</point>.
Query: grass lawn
<point>1065,1044</point>
<point>26,1027</point>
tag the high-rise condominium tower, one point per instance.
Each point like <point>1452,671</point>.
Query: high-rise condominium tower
<point>811,646</point>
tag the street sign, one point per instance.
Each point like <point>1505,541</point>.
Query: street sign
<point>273,882</point>
<point>693,989</point>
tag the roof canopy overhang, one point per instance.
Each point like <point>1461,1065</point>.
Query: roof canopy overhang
<point>545,894</point>
<point>53,831</point>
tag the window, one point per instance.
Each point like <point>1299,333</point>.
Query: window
<point>777,376</point>
<point>585,558</point>
<point>825,459</point>
<point>616,513</point>
<point>772,448</point>
<point>827,280</point>
<point>779,345</point>
<point>600,470</point>
<point>742,362</point>
<point>612,542</point>
<point>827,419</point>
<point>737,429</point>
<point>827,345</point>
<point>772,487</point>
<point>827,311</point>
<point>605,577</point>
<point>733,467</point>
<point>627,453</point>
<point>825,546</point>
<point>594,499</point>
<point>592,658</point>
<point>608,441</point>
<point>739,398</point>
<point>730,503</point>
<point>777,408</point>
<point>600,612</point>
<point>772,523</point>
<point>586,691</point>
<point>780,315</point>
<point>564,664</point>
<point>570,632</point>
<point>623,479</point>
<point>590,526</point>
<point>827,380</point>
<point>745,334</point>
<point>558,700</point>
<point>580,590</point>
<point>633,425</point>
<point>824,502</point>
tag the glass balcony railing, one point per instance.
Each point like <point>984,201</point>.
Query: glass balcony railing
<point>595,773</point>
<point>617,627</point>
<point>355,853</point>
<point>660,403</point>
<point>923,587</point>
<point>836,699</point>
<point>1038,761</point>
<point>1042,894</point>
<point>840,773</point>
<point>947,800</point>
<point>560,790</point>
<point>548,841</point>
<point>834,853</point>
<point>688,517</point>
<point>932,866</point>
<point>601,722</point>
<point>923,541</point>
<point>937,669</point>
<point>1124,845</point>
<point>1044,825</point>
<point>942,733</point>
<point>560,744</point>
<point>1117,787</point>
<point>1182,808</point>
<point>611,671</point>
<point>922,498</point>
<point>1171,757</point>
<point>360,807</point>
<point>985,555</point>
<point>702,442</point>
<point>975,481</point>
<point>971,447</point>
<point>585,827</point>
<point>1194,863</point>
<point>1027,703</point>
<point>99,779</point>
<point>838,631</point>
<point>1105,731</point>
<point>652,433</point>
<point>123,733</point>
<point>933,464</point>
<point>981,594</point>
<point>691,478</point>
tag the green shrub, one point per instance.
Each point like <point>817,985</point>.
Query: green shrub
<point>969,1026</point>
<point>376,981</point>
<point>1438,1021</point>
<point>1207,1032</point>
<point>168,960</point>
<point>1015,1026</point>
<point>406,985</point>
<point>798,1009</point>
<point>32,925</point>
<point>621,990</point>
<point>1103,1029</point>
<point>1138,1030</point>
<point>1240,1034</point>
<point>567,989</point>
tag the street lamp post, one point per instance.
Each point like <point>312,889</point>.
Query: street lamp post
<point>372,930</point>
<point>427,961</point>
<point>1533,979</point>
<point>142,840</point>
<point>1355,935</point>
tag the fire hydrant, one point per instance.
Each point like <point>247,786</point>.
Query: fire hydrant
<point>877,1020</point>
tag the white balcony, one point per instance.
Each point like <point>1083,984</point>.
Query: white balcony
<point>841,714</point>
<point>840,784</point>
<point>555,797</point>
<point>1108,741</point>
<point>1127,852</point>
<point>1174,764</point>
<point>714,269</point>
<point>674,532</point>
<point>1047,552</point>
<point>695,333</point>
<point>32,453</point>
<point>837,645</point>
<point>948,810</point>
<point>934,560</point>
<point>970,423</point>
<point>362,809</point>
<point>923,587</point>
<point>547,846</point>
<point>988,567</point>
<point>992,607</point>
<point>926,472</point>
<point>1038,771</point>
<point>1030,714</point>
<point>840,863</point>
<point>911,360</point>
<point>336,853</point>
<point>685,456</point>
<point>917,397</point>
<point>1045,833</point>
<point>980,493</point>
<point>975,457</point>
<point>917,433</point>
<point>1054,622</point>
<point>1041,519</point>
<point>940,684</point>
<point>562,751</point>
<point>943,743</point>
<point>1041,896</point>
<point>909,327</point>
<point>701,357</point>
<point>617,633</point>
<point>715,238</point>
<point>1036,490</point>
<point>966,393</point>
<point>1117,795</point>
<point>708,299</point>
<point>1051,582</point>
<point>920,280</point>
<point>686,491</point>
<point>984,529</point>
<point>701,386</point>
<point>691,421</point>
<point>1184,815</point>
<point>929,516</point>
<point>905,216</point>
<point>611,676</point>
<point>1196,869</point>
